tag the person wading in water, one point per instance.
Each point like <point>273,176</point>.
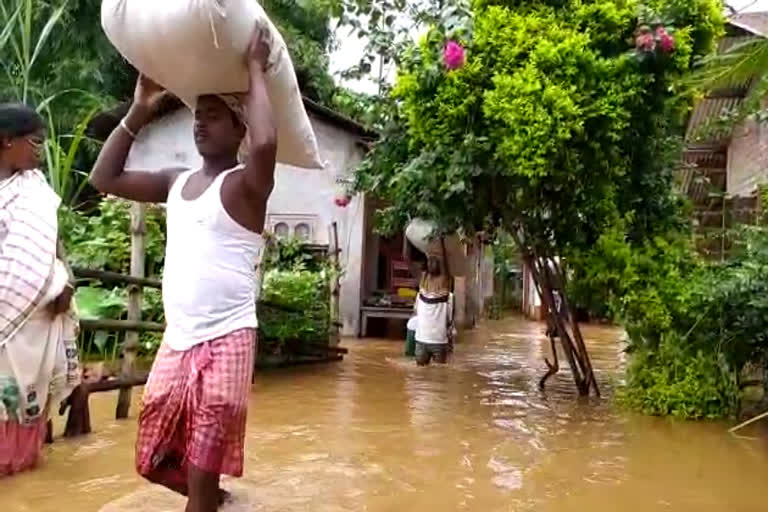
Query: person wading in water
<point>192,423</point>
<point>434,313</point>
<point>38,325</point>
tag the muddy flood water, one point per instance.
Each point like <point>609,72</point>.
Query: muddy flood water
<point>375,433</point>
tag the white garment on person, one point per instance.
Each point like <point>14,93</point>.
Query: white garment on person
<point>38,364</point>
<point>209,285</point>
<point>28,233</point>
<point>433,319</point>
<point>413,323</point>
<point>38,351</point>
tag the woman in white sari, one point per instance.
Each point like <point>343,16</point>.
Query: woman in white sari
<point>38,325</point>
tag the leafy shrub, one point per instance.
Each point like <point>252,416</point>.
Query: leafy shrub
<point>677,381</point>
<point>102,240</point>
<point>96,303</point>
<point>294,306</point>
<point>292,254</point>
<point>692,326</point>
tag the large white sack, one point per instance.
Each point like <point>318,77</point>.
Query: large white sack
<point>196,47</point>
<point>419,232</point>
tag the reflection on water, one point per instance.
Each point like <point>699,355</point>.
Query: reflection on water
<point>375,433</point>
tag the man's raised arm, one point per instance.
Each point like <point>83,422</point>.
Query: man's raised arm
<point>259,176</point>
<point>109,174</point>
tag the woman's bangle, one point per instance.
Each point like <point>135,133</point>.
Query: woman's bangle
<point>127,130</point>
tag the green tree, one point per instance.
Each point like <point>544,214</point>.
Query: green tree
<point>550,129</point>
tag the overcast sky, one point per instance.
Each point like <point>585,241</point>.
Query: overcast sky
<point>349,54</point>
<point>749,5</point>
<point>351,50</point>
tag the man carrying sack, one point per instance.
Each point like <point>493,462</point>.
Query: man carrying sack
<point>434,326</point>
<point>192,423</point>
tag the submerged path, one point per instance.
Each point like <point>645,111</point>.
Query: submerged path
<point>375,433</point>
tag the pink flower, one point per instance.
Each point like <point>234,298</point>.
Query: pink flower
<point>645,42</point>
<point>666,41</point>
<point>453,55</point>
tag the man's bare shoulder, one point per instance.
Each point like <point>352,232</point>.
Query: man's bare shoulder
<point>172,173</point>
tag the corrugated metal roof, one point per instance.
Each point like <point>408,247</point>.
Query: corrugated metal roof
<point>713,157</point>
<point>755,22</point>
<point>729,42</point>
<point>702,172</point>
<point>710,108</point>
<point>698,183</point>
<point>704,112</point>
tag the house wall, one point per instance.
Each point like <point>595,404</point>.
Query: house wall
<point>299,193</point>
<point>531,300</point>
<point>312,192</point>
<point>747,159</point>
<point>371,252</point>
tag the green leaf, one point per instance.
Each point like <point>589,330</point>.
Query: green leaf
<point>98,303</point>
<point>49,25</point>
<point>10,24</point>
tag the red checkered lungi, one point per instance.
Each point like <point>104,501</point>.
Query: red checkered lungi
<point>194,407</point>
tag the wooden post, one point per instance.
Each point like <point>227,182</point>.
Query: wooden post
<point>79,418</point>
<point>131,343</point>
<point>335,290</point>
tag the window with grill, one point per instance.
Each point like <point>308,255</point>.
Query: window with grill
<point>301,226</point>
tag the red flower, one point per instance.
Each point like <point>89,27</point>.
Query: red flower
<point>666,41</point>
<point>342,201</point>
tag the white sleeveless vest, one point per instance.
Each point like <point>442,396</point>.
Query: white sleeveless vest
<point>209,287</point>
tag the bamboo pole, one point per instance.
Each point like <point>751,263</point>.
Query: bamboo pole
<point>748,422</point>
<point>335,333</point>
<point>115,278</point>
<point>79,418</point>
<point>113,384</point>
<point>131,343</point>
<point>121,326</point>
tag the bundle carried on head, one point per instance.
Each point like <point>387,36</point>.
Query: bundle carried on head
<point>421,233</point>
<point>198,47</point>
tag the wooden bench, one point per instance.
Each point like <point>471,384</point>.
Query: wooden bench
<point>367,312</point>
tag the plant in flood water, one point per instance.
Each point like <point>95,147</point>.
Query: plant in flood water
<point>552,129</point>
<point>294,306</point>
<point>692,326</point>
<point>673,381</point>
